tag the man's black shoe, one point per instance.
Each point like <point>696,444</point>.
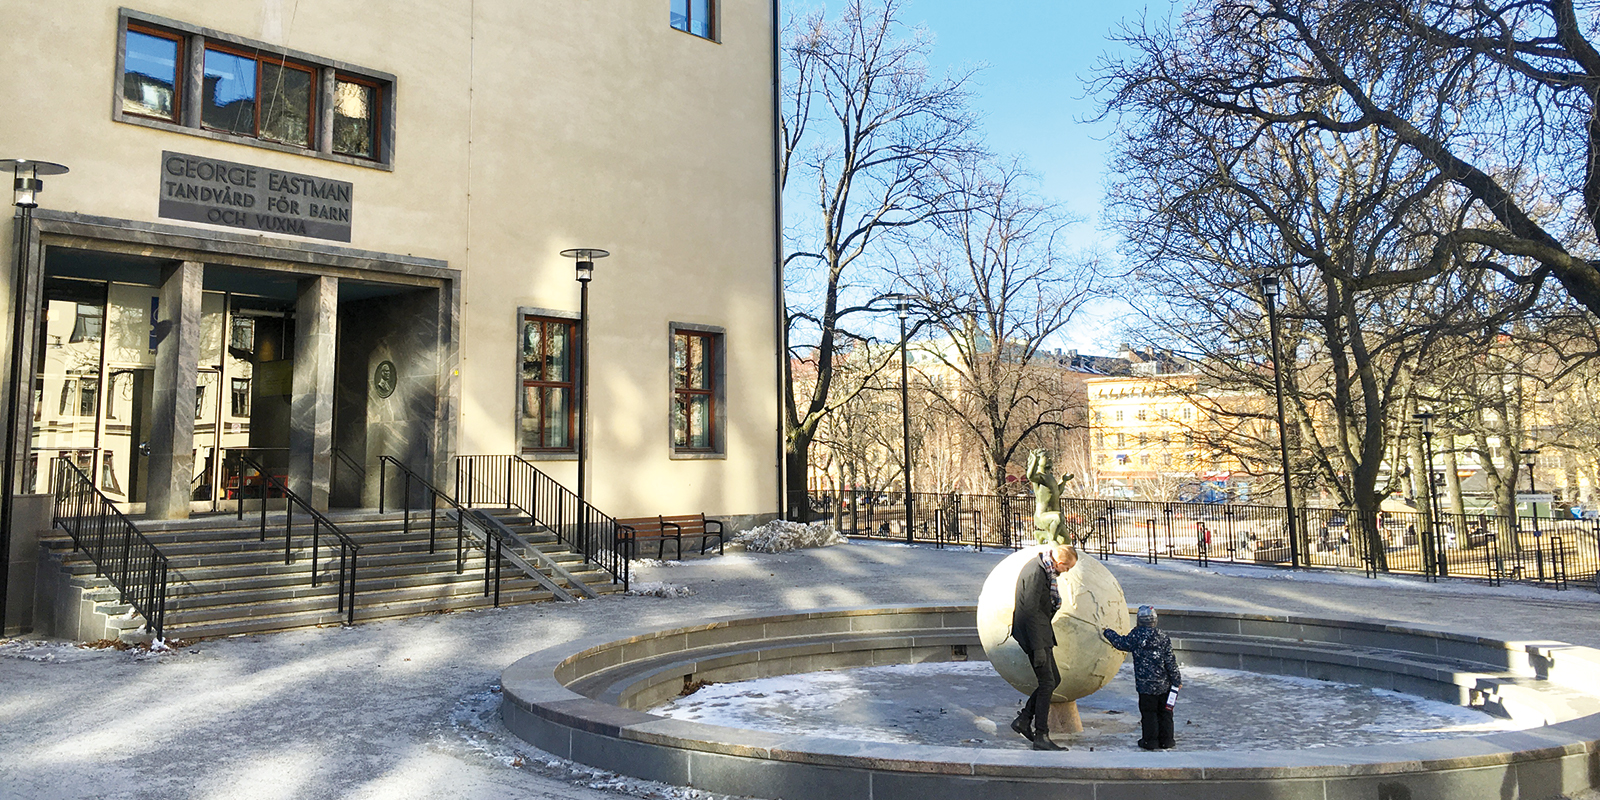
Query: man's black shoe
<point>1041,741</point>
<point>1144,745</point>
<point>1169,746</point>
<point>1023,726</point>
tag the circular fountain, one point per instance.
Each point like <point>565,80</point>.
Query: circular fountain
<point>588,700</point>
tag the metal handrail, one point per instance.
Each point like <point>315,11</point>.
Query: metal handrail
<point>494,544</point>
<point>348,549</point>
<point>345,458</point>
<point>119,551</point>
<point>513,482</point>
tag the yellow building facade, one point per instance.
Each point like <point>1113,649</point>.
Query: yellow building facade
<point>328,233</point>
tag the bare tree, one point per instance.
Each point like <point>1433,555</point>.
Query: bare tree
<point>1212,200</point>
<point>995,285</point>
<point>1496,99</point>
<point>870,129</point>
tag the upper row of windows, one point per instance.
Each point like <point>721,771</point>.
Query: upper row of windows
<point>225,85</point>
<point>250,93</point>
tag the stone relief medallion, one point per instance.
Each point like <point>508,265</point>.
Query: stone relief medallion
<point>383,378</point>
<point>1091,600</point>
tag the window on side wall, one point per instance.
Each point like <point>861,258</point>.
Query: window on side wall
<point>547,412</point>
<point>697,415</point>
<point>695,16</point>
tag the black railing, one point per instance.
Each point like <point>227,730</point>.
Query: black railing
<point>268,484</point>
<point>349,463</point>
<point>119,551</point>
<point>512,482</point>
<point>493,544</point>
<point>1543,551</point>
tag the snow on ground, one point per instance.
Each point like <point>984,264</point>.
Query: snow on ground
<point>780,536</point>
<point>968,704</point>
<point>405,708</point>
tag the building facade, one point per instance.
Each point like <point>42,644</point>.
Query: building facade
<point>343,227</point>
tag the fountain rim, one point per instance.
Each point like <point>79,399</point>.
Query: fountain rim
<point>539,705</point>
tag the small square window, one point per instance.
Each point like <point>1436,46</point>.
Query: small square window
<point>695,16</point>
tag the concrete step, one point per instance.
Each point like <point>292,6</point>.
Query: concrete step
<point>266,623</point>
<point>225,580</point>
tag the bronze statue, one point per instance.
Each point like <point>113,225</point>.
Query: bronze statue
<point>1048,520</point>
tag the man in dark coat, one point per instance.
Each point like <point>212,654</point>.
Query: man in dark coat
<point>1037,601</point>
<point>1155,673</point>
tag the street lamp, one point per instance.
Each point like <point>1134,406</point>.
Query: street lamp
<point>902,309</point>
<point>1435,536</point>
<point>1530,456</point>
<point>1269,292</point>
<point>585,257</point>
<point>25,187</point>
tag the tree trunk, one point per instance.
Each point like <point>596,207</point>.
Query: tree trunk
<point>796,455</point>
<point>1452,484</point>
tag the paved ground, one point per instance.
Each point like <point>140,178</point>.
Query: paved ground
<point>407,708</point>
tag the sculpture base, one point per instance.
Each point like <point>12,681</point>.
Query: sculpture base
<point>1064,718</point>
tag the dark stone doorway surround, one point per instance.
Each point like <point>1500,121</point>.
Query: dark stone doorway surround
<point>350,311</point>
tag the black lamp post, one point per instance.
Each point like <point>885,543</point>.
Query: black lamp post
<point>26,187</point>
<point>585,257</point>
<point>1435,535</point>
<point>902,309</point>
<point>1269,292</point>
<point>1530,456</point>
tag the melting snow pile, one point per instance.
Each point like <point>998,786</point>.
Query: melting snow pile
<point>780,535</point>
<point>658,589</point>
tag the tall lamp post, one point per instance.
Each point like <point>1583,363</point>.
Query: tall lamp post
<point>585,257</point>
<point>1269,292</point>
<point>1435,535</point>
<point>902,309</point>
<point>1530,456</point>
<point>25,196</point>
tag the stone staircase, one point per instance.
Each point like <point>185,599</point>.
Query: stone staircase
<point>224,580</point>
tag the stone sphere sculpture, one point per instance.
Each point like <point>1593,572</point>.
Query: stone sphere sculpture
<point>1091,600</point>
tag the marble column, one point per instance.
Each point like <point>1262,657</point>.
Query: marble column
<point>171,466</point>
<point>316,325</point>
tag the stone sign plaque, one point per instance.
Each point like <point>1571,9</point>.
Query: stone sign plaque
<point>254,199</point>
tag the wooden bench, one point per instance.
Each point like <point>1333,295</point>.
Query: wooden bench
<point>662,529</point>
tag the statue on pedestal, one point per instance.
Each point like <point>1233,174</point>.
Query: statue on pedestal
<point>1048,520</point>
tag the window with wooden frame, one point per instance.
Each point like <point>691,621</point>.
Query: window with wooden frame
<point>258,96</point>
<point>695,16</point>
<point>179,77</point>
<point>152,73</point>
<point>548,413</point>
<point>696,391</point>
<point>356,116</point>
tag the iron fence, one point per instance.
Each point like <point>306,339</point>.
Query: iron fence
<point>1543,551</point>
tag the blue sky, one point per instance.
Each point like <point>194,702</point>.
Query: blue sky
<point>1034,98</point>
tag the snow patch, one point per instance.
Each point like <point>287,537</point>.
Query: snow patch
<point>781,535</point>
<point>659,589</point>
<point>475,726</point>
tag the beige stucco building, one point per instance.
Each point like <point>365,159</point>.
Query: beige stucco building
<point>343,225</point>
